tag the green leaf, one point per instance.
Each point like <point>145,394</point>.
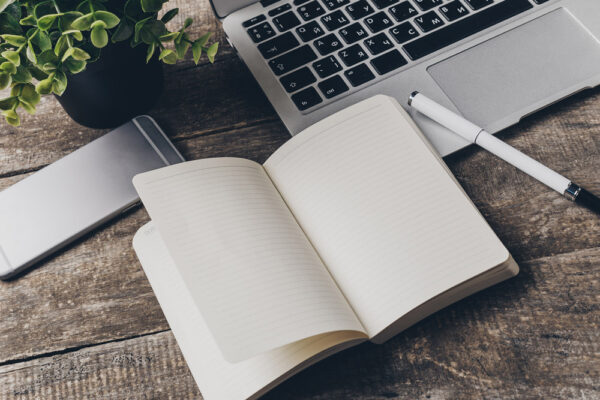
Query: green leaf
<point>123,32</point>
<point>187,23</point>
<point>8,67</point>
<point>68,53</point>
<point>47,21</point>
<point>110,19</point>
<point>37,73</point>
<point>169,15</point>
<point>28,21</point>
<point>44,8</point>
<point>75,66</point>
<point>60,83</point>
<point>42,40</point>
<point>45,86</point>
<point>12,56</point>
<point>8,103</point>
<point>197,51</point>
<point>181,48</point>
<point>11,117</point>
<point>66,21</point>
<point>47,56</point>
<point>138,28</point>
<point>31,53</point>
<point>62,44</point>
<point>5,3</point>
<point>83,23</point>
<point>212,51</point>
<point>80,54</point>
<point>151,5</point>
<point>169,36</point>
<point>15,40</point>
<point>133,9</point>
<point>202,40</point>
<point>29,94</point>
<point>5,80</point>
<point>27,106</point>
<point>157,28</point>
<point>168,56</point>
<point>150,52</point>
<point>77,35</point>
<point>22,75</point>
<point>9,24</point>
<point>99,36</point>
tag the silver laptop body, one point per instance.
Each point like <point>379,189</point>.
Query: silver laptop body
<point>494,61</point>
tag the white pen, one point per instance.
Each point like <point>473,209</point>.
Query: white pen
<point>479,136</point>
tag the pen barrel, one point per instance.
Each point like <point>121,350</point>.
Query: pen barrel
<point>445,117</point>
<point>523,162</point>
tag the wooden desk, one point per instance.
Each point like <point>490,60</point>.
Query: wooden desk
<point>85,324</point>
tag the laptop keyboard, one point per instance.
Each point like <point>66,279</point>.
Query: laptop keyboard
<point>320,49</point>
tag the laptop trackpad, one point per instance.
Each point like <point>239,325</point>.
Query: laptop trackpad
<point>497,82</point>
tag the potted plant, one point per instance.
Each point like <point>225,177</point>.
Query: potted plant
<point>101,58</point>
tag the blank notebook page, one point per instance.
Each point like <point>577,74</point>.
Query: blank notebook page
<point>252,273</point>
<point>217,378</point>
<point>387,218</point>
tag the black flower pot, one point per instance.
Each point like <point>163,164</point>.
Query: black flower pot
<point>117,87</point>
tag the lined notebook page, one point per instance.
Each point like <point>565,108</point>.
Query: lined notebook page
<point>218,379</point>
<point>389,221</point>
<point>250,269</point>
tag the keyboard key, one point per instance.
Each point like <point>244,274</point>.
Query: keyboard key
<point>403,11</point>
<point>466,27</point>
<point>306,98</point>
<point>280,9</point>
<point>333,4</point>
<point>311,10</point>
<point>327,66</point>
<point>297,80</point>
<point>292,60</point>
<point>278,45</point>
<point>335,20</point>
<point>353,33</point>
<point>404,32</point>
<point>378,43</point>
<point>428,4</point>
<point>359,75</point>
<point>310,31</point>
<point>429,21</point>
<point>454,10</point>
<point>254,21</point>
<point>286,21</point>
<point>299,2</point>
<point>384,3</point>
<point>333,86</point>
<point>267,3</point>
<point>359,9</point>
<point>352,55</point>
<point>477,4</point>
<point>378,22</point>
<point>388,62</point>
<point>261,32</point>
<point>328,44</point>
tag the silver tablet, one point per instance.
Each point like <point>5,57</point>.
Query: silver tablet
<point>72,196</point>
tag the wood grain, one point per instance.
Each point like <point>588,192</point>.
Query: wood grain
<point>85,324</point>
<point>535,336</point>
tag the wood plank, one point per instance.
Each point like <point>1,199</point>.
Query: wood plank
<point>535,336</point>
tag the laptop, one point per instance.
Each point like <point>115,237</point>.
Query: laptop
<point>493,61</point>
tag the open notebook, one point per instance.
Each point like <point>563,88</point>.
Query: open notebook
<point>353,230</point>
